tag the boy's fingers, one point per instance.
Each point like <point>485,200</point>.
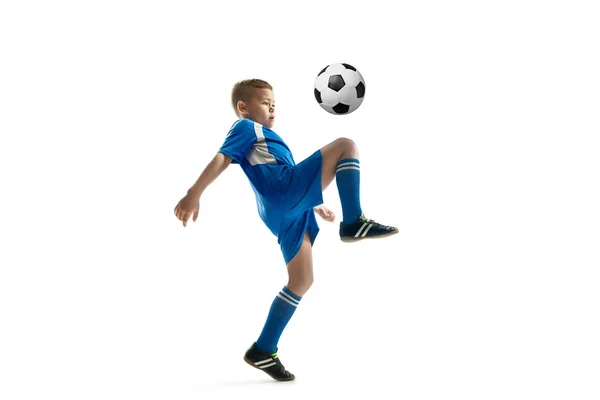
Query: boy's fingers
<point>195,215</point>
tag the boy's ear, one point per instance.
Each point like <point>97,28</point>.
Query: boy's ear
<point>241,107</point>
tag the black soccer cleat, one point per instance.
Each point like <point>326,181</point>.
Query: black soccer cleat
<point>364,228</point>
<point>269,363</point>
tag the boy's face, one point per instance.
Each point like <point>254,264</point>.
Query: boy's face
<point>260,108</point>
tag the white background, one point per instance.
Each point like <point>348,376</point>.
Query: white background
<point>478,138</point>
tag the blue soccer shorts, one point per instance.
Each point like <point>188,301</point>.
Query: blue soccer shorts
<point>303,192</point>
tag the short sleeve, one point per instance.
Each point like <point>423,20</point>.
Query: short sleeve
<point>239,140</point>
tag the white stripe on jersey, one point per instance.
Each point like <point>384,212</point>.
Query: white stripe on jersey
<point>259,153</point>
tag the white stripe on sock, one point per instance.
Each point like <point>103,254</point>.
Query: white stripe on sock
<point>289,297</point>
<point>344,168</point>
<point>348,163</point>
<point>286,300</point>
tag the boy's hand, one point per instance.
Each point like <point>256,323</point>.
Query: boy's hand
<point>325,213</point>
<point>188,207</point>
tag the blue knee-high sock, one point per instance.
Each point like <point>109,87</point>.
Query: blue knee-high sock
<point>281,311</point>
<point>347,177</point>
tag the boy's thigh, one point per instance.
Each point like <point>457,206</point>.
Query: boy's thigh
<point>303,257</point>
<point>297,233</point>
<point>304,190</point>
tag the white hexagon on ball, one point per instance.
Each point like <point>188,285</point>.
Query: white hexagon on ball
<point>329,97</point>
<point>347,95</point>
<point>321,82</point>
<point>335,69</point>
<point>351,77</point>
<point>353,107</point>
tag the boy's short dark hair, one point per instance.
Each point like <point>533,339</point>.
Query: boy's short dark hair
<point>242,90</point>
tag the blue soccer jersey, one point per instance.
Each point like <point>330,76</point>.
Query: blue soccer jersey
<point>285,192</point>
<point>251,144</point>
<point>262,154</point>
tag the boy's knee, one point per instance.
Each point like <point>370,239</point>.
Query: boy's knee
<point>346,142</point>
<point>300,285</point>
<point>348,146</point>
<point>307,281</point>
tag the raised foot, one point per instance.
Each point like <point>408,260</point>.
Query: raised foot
<point>365,228</point>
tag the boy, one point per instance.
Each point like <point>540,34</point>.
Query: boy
<point>288,195</point>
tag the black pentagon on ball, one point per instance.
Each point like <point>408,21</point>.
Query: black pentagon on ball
<point>360,90</point>
<point>349,66</point>
<point>318,96</point>
<point>341,108</point>
<point>336,82</point>
<point>323,70</point>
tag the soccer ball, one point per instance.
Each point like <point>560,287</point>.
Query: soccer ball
<point>339,89</point>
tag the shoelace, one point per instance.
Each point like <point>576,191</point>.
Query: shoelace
<point>375,224</point>
<point>365,219</point>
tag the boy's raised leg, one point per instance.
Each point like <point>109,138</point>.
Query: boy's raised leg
<point>340,161</point>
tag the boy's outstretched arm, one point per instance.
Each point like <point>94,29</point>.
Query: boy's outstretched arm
<point>211,172</point>
<point>189,205</point>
